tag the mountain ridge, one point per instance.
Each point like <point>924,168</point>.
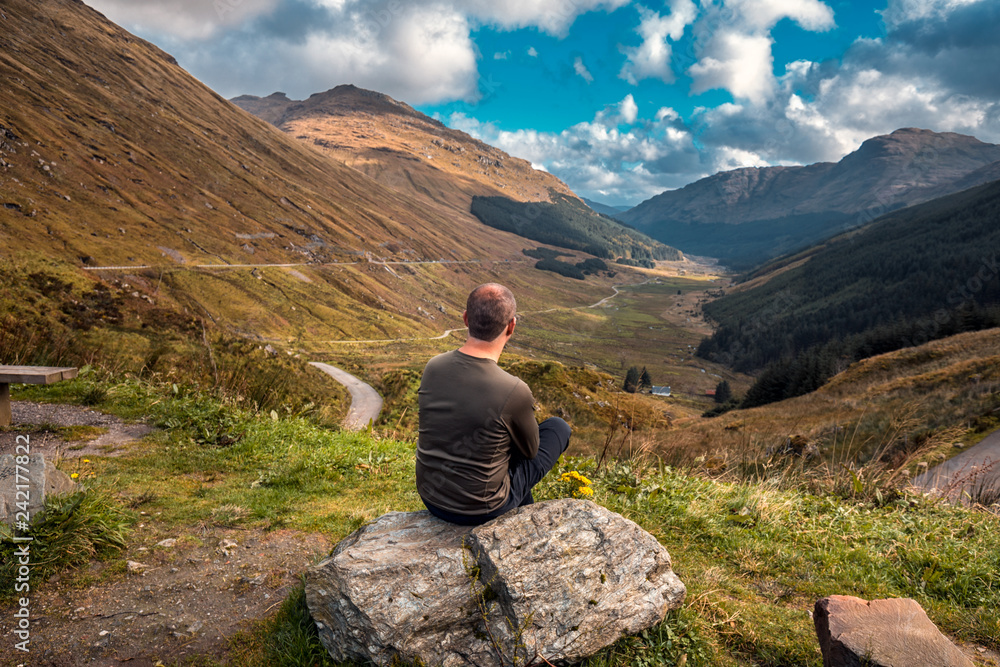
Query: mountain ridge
<point>799,205</point>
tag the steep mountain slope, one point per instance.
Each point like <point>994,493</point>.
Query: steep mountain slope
<point>403,148</point>
<point>918,274</point>
<point>746,215</point>
<point>113,154</point>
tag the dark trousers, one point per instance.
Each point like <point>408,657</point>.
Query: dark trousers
<point>553,439</point>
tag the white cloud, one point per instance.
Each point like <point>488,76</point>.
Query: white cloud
<point>582,71</point>
<point>738,62</point>
<point>501,55</point>
<point>553,16</point>
<point>666,113</point>
<point>728,158</point>
<point>761,15</point>
<point>597,159</point>
<point>420,51</point>
<point>628,111</point>
<point>424,56</point>
<point>651,59</point>
<point>532,52</point>
<point>734,44</point>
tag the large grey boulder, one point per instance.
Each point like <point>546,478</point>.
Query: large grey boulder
<point>557,580</point>
<point>881,633</point>
<point>40,476</point>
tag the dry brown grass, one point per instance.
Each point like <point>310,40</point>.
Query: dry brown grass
<point>871,425</point>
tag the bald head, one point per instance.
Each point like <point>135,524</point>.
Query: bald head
<point>489,309</point>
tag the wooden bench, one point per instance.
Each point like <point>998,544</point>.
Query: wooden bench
<point>27,375</point>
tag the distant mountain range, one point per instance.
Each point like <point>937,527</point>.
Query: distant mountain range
<point>747,215</point>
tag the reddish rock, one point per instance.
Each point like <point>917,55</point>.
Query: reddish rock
<point>881,633</point>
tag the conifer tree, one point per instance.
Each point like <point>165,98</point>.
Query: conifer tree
<point>723,394</point>
<point>645,380</point>
<point>631,380</point>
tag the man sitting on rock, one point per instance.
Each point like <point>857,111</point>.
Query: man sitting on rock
<point>480,450</point>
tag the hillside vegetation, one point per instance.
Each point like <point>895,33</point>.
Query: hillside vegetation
<point>568,223</point>
<point>919,274</point>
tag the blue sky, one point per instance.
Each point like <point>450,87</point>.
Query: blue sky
<point>544,92</point>
<point>620,99</point>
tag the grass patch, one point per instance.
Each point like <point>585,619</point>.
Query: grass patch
<point>287,639</point>
<point>73,529</point>
<point>81,433</point>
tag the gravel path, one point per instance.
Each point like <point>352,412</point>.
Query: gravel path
<point>114,441</point>
<point>976,468</point>
<point>366,404</point>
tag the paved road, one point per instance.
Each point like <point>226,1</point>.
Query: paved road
<point>366,404</point>
<point>957,477</point>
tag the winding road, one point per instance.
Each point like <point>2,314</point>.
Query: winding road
<point>366,404</point>
<point>960,477</point>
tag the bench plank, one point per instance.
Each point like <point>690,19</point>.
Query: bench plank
<point>35,374</point>
<point>27,375</point>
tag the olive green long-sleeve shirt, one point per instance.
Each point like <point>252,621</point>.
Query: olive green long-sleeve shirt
<point>473,417</point>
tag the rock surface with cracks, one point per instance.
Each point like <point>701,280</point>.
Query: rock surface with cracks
<point>557,580</point>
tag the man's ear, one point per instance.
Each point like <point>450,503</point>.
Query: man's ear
<point>510,327</point>
<point>465,317</point>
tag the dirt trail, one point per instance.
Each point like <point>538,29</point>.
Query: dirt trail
<point>977,468</point>
<point>188,599</point>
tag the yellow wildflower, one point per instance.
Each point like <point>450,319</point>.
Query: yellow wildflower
<point>86,460</point>
<point>75,475</point>
<point>574,476</point>
<point>583,491</point>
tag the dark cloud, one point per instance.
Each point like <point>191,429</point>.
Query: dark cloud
<point>292,21</point>
<point>680,164</point>
<point>960,50</point>
<point>972,26</point>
